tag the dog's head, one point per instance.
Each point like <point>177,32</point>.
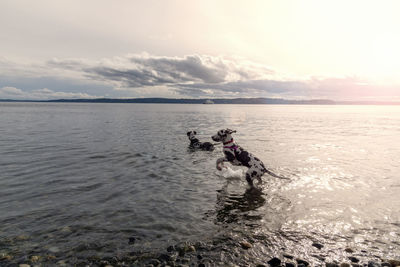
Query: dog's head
<point>223,135</point>
<point>191,134</point>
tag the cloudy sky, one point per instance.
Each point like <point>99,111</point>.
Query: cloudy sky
<point>305,49</point>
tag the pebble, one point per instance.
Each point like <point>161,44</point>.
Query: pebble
<point>4,256</point>
<point>190,249</point>
<point>288,256</point>
<point>349,250</point>
<point>22,238</point>
<point>317,245</point>
<point>373,264</point>
<point>394,263</point>
<point>300,261</point>
<point>245,245</point>
<point>274,261</point>
<point>354,259</point>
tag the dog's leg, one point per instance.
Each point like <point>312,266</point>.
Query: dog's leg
<point>219,162</point>
<point>254,173</point>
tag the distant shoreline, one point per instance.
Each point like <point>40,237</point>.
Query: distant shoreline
<point>248,101</point>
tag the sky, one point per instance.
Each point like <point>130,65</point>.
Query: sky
<point>305,49</point>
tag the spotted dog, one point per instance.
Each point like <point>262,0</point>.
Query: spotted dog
<point>195,143</point>
<point>236,155</point>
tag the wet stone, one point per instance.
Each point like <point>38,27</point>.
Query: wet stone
<point>245,244</point>
<point>274,261</point>
<point>373,264</point>
<point>394,262</point>
<point>171,248</point>
<point>132,240</point>
<point>165,257</point>
<point>317,245</point>
<point>300,261</point>
<point>154,262</point>
<point>354,259</point>
<point>288,256</point>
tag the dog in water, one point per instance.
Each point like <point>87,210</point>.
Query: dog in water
<point>238,156</point>
<point>196,144</point>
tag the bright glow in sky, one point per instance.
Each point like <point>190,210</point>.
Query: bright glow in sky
<point>344,50</point>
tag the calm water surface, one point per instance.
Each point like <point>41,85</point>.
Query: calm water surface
<point>84,179</point>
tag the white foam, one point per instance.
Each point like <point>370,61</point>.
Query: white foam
<point>229,173</point>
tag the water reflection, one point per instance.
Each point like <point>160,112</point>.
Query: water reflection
<point>234,207</point>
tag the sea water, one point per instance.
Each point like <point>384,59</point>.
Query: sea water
<point>79,180</point>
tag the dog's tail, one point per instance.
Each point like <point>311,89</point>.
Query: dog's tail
<point>275,175</point>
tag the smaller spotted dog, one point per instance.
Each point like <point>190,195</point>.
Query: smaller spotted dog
<point>236,155</point>
<point>195,143</point>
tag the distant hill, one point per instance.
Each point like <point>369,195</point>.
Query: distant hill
<point>273,101</point>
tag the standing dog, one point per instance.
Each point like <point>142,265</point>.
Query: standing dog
<point>195,143</point>
<point>236,155</point>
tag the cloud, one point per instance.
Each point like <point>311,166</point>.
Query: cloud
<point>144,75</point>
<point>40,94</point>
<point>135,71</point>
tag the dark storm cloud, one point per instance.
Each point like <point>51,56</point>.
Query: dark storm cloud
<point>147,71</point>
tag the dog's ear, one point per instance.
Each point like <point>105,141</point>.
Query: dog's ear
<point>188,133</point>
<point>195,132</point>
<point>229,131</point>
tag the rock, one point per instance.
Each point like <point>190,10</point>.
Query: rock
<point>245,245</point>
<point>190,249</point>
<point>394,263</point>
<point>35,258</point>
<point>317,245</point>
<point>349,250</point>
<point>165,257</point>
<point>66,229</point>
<point>345,264</point>
<point>290,264</point>
<point>300,261</point>
<point>331,264</point>
<point>373,264</point>
<point>54,249</point>
<point>22,238</point>
<point>354,259</point>
<point>61,263</point>
<point>154,262</point>
<point>274,261</point>
<point>5,257</point>
<point>24,265</point>
<point>288,256</point>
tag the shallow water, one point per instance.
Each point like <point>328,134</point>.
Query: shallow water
<point>79,180</point>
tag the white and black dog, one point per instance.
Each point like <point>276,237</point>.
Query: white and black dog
<point>195,143</point>
<point>236,155</point>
